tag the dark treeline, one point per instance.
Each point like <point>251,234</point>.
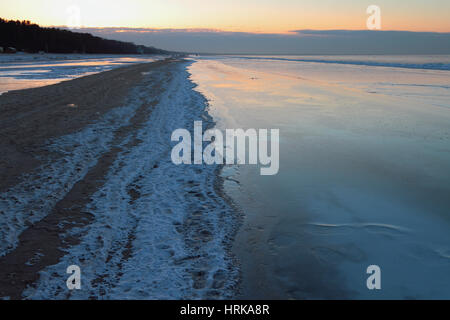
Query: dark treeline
<point>28,37</point>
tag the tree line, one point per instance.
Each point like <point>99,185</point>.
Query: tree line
<point>29,37</point>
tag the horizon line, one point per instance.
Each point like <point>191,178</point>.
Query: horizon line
<point>213,30</point>
<point>216,30</point>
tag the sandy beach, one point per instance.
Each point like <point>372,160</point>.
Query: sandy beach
<point>364,173</point>
<point>30,117</point>
<point>88,180</point>
<point>67,146</point>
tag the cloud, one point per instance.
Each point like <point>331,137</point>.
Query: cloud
<point>296,42</point>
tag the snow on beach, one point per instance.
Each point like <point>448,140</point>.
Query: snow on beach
<point>158,230</point>
<point>32,199</point>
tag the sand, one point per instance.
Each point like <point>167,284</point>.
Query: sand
<point>29,118</point>
<point>104,194</point>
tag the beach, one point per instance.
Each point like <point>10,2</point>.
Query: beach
<point>87,179</point>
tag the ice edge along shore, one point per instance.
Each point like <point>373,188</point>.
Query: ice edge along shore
<point>159,231</point>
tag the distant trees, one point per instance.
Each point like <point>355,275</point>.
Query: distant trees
<point>28,37</point>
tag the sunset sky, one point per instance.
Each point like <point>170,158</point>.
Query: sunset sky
<point>263,16</point>
<point>252,26</point>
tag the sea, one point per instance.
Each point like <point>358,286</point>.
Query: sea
<point>364,173</point>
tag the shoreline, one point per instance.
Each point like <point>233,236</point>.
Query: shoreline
<point>90,192</point>
<point>64,107</point>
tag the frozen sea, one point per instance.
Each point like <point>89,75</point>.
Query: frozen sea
<point>364,173</point>
<point>169,238</point>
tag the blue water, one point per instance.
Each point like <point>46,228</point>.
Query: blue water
<point>364,173</point>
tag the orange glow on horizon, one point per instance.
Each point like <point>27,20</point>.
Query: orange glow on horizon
<point>232,15</point>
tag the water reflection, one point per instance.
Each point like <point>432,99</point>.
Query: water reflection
<point>364,176</point>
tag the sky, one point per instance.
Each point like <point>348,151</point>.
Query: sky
<point>177,24</point>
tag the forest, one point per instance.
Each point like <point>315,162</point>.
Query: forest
<point>29,37</point>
